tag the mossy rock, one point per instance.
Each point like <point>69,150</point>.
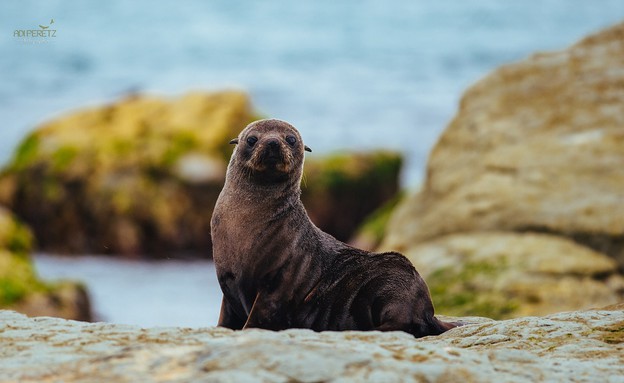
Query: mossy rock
<point>139,176</point>
<point>340,190</point>
<point>15,237</point>
<point>373,230</point>
<point>536,145</point>
<point>17,278</point>
<point>20,287</point>
<point>504,275</point>
<point>465,290</point>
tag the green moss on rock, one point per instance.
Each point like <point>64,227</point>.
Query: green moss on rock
<point>140,177</point>
<point>26,152</point>
<point>340,190</point>
<point>15,237</point>
<point>179,144</point>
<point>17,278</point>
<point>372,231</point>
<point>62,157</point>
<point>459,291</point>
<point>503,275</point>
<point>20,287</point>
<point>338,170</point>
<point>104,179</point>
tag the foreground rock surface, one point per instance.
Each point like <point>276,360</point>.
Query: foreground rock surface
<point>20,287</point>
<point>537,145</point>
<point>577,346</point>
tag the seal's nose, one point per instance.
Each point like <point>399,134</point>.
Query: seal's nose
<point>272,151</point>
<point>273,143</point>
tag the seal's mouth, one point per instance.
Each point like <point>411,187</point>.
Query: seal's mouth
<point>271,157</point>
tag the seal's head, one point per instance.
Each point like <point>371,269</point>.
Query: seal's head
<point>269,151</point>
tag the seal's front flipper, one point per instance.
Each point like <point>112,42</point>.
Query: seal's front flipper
<point>228,318</point>
<point>266,313</point>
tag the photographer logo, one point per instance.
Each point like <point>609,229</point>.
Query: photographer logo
<point>44,34</point>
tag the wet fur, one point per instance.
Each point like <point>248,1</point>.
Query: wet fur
<point>277,270</point>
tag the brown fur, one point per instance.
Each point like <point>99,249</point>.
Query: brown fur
<point>277,270</point>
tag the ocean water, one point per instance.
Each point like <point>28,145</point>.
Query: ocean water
<point>349,74</point>
<point>147,294</point>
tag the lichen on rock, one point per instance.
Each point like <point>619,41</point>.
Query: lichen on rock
<point>341,190</point>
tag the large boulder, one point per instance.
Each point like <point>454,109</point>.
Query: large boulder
<point>582,346</point>
<point>524,195</point>
<point>22,290</point>
<point>137,176</point>
<point>537,146</point>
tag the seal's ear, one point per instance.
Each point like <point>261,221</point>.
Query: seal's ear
<point>234,141</point>
<point>307,148</point>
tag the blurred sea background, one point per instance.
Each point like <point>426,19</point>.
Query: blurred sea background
<point>349,74</point>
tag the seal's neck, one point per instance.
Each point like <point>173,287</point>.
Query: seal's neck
<point>256,189</point>
<point>265,193</point>
<point>245,198</point>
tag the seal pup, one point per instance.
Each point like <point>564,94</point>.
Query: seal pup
<point>277,270</point>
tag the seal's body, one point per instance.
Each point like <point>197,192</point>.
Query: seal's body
<point>278,270</point>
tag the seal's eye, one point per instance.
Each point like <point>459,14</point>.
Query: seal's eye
<point>291,140</point>
<point>251,141</point>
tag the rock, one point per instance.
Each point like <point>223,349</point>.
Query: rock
<point>536,146</point>
<point>15,237</point>
<point>583,346</point>
<point>139,176</point>
<point>340,190</point>
<point>22,290</point>
<point>63,299</point>
<point>372,231</point>
<point>505,275</point>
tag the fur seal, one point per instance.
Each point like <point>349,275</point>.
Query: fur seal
<point>277,270</point>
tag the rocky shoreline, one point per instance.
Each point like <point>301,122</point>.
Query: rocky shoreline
<point>520,213</point>
<point>582,346</point>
